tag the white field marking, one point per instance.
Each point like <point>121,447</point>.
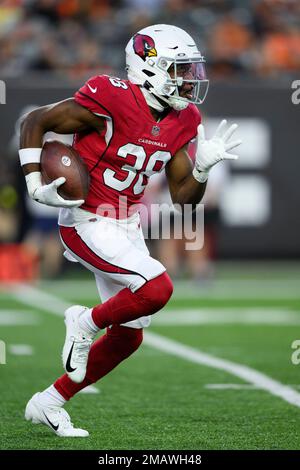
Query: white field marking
<point>50,303</point>
<point>218,289</point>
<point>20,349</point>
<point>239,289</point>
<point>36,298</point>
<point>251,376</point>
<point>247,316</point>
<point>232,315</point>
<point>90,389</point>
<point>17,317</point>
<point>231,387</point>
<point>237,386</point>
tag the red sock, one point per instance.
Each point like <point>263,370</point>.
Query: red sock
<point>127,306</point>
<point>106,353</point>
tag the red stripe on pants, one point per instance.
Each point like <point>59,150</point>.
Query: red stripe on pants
<point>73,241</point>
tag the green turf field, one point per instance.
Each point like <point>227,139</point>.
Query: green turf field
<point>169,395</point>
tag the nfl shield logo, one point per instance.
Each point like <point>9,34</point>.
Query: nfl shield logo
<point>155,130</point>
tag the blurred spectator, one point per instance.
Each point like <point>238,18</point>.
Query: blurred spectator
<point>42,238</point>
<point>75,38</point>
<point>281,52</point>
<point>229,43</point>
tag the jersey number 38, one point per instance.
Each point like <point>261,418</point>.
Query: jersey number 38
<point>156,163</point>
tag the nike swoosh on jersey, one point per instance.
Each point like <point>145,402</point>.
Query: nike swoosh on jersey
<point>51,424</point>
<point>68,364</point>
<point>93,90</point>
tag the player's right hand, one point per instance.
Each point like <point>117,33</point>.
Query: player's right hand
<point>47,194</point>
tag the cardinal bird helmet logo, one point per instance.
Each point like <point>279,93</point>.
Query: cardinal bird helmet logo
<point>144,46</point>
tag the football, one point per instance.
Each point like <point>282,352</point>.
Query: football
<point>58,159</point>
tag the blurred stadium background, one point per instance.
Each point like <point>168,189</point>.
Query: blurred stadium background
<point>238,298</point>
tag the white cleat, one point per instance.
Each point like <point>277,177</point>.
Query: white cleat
<point>77,345</point>
<point>55,418</point>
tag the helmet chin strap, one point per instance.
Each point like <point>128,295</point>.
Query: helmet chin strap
<point>152,101</point>
<point>158,103</point>
<point>176,104</point>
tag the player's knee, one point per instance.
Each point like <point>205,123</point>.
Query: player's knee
<point>165,289</point>
<point>156,292</point>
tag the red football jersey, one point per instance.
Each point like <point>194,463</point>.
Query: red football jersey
<point>132,148</point>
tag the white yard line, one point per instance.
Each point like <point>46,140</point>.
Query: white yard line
<point>247,316</point>
<point>36,298</point>
<point>20,349</point>
<point>50,303</point>
<point>218,289</point>
<point>231,387</point>
<point>238,386</point>
<point>90,390</point>
<point>232,315</point>
<point>251,376</point>
<point>239,289</point>
<point>17,317</point>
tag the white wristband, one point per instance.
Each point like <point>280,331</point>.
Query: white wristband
<point>33,181</point>
<point>200,176</point>
<point>30,155</point>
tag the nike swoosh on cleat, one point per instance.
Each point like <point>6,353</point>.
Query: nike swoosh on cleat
<point>51,424</point>
<point>93,90</point>
<point>68,364</point>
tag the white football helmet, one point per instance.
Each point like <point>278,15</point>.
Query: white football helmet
<point>165,61</point>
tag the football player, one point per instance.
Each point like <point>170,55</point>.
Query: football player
<point>125,130</point>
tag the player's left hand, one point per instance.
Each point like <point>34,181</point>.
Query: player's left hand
<point>214,150</point>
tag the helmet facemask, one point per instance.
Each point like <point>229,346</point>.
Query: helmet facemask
<point>185,81</point>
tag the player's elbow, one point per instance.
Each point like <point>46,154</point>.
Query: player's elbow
<point>177,200</point>
<point>30,120</point>
<point>185,205</point>
<point>30,116</point>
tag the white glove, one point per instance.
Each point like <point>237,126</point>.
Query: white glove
<point>47,194</point>
<point>210,152</point>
